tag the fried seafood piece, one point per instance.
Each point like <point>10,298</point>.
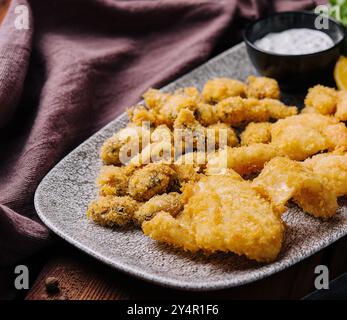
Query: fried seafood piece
<point>218,89</point>
<point>256,132</point>
<point>341,107</point>
<point>151,180</point>
<point>219,135</point>
<point>321,99</point>
<point>221,213</point>
<point>140,115</point>
<point>114,180</point>
<point>262,87</point>
<point>235,111</point>
<point>160,150</point>
<point>169,105</point>
<point>245,160</point>
<point>189,134</point>
<point>277,109</point>
<point>124,144</point>
<point>112,211</point>
<point>168,202</point>
<point>331,170</point>
<point>205,113</point>
<point>283,179</point>
<point>304,135</point>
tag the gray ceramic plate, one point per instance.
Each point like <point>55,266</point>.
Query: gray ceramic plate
<point>62,198</point>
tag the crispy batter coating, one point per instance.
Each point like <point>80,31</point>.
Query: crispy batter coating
<point>114,180</point>
<point>304,135</point>
<point>217,89</point>
<point>125,144</point>
<point>168,105</point>
<point>151,180</point>
<point>256,133</point>
<point>245,160</point>
<point>262,87</point>
<point>341,107</point>
<point>277,109</point>
<point>221,214</point>
<point>321,99</point>
<point>331,169</point>
<point>112,211</point>
<point>140,114</point>
<point>205,113</point>
<point>283,179</point>
<point>236,111</point>
<point>168,202</point>
<point>224,133</point>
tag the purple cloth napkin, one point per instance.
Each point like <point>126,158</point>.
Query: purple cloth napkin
<point>77,67</point>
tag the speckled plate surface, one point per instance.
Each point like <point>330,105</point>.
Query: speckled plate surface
<point>63,195</point>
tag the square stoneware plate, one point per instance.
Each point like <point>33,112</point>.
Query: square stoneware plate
<point>62,197</point>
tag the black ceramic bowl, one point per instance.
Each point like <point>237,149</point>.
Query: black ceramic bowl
<point>294,72</point>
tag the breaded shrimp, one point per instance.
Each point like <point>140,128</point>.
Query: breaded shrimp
<point>244,160</point>
<point>112,211</point>
<point>218,89</point>
<point>168,202</point>
<point>262,87</point>
<point>277,109</point>
<point>151,180</point>
<point>256,133</point>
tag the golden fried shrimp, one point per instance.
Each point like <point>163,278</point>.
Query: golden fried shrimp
<point>321,99</point>
<point>277,109</point>
<point>283,179</point>
<point>221,214</point>
<point>221,131</point>
<point>124,145</point>
<point>341,107</point>
<point>114,180</point>
<point>331,170</point>
<point>218,89</point>
<point>151,180</point>
<point>168,202</point>
<point>235,111</point>
<point>206,114</point>
<point>244,160</point>
<point>262,87</point>
<point>112,211</point>
<point>256,133</point>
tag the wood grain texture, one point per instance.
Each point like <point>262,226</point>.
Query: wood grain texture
<point>83,278</point>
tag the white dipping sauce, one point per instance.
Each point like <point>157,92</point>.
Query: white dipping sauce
<point>295,42</point>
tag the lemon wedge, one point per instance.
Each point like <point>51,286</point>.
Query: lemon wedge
<point>340,73</point>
